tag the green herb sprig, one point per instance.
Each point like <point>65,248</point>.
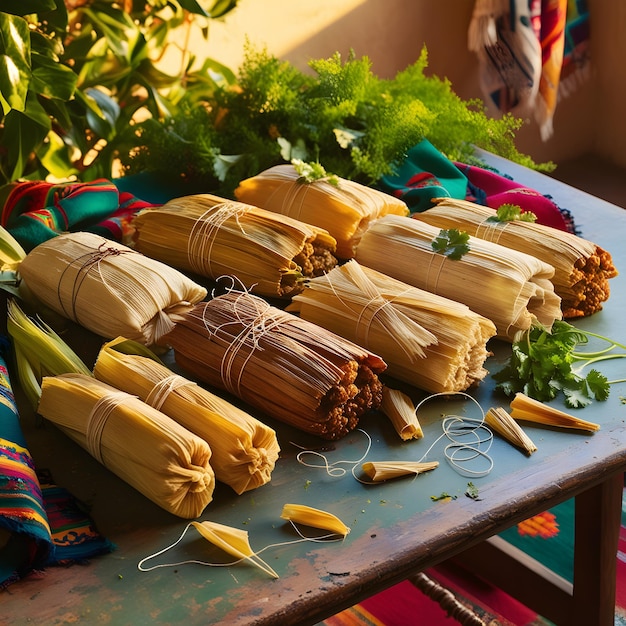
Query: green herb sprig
<point>452,243</point>
<point>512,213</point>
<point>545,363</point>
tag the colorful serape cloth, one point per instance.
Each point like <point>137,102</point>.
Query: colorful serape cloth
<point>35,211</point>
<point>526,48</point>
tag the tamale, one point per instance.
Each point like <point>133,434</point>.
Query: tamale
<point>291,369</point>
<point>108,288</point>
<point>426,340</point>
<point>344,209</point>
<point>210,236</point>
<point>582,269</point>
<point>401,411</point>
<point>511,288</point>
<point>244,450</point>
<point>142,446</point>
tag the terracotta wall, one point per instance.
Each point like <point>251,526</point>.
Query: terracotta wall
<point>392,32</point>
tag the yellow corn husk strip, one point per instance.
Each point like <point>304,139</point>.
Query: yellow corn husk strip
<point>428,341</point>
<point>270,255</point>
<point>39,352</point>
<point>345,210</point>
<point>244,450</point>
<point>233,541</point>
<point>316,518</point>
<point>510,288</point>
<point>294,371</point>
<point>530,410</point>
<point>142,446</point>
<point>386,470</point>
<point>581,268</point>
<point>108,288</point>
<point>400,410</point>
<point>500,421</point>
<point>11,251</point>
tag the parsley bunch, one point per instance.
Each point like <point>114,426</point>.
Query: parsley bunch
<point>545,363</point>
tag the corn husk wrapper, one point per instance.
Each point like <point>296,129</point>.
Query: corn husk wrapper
<point>108,288</point>
<point>294,371</point>
<point>581,268</point>
<point>400,410</point>
<point>511,288</point>
<point>428,341</point>
<point>142,446</point>
<point>528,409</point>
<point>379,471</point>
<point>502,422</point>
<point>316,518</point>
<point>345,210</point>
<point>211,236</point>
<point>244,450</point>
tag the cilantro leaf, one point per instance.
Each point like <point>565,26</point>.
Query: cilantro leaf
<point>512,213</point>
<point>310,172</point>
<point>452,243</point>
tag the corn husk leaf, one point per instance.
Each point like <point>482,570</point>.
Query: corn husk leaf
<point>11,251</point>
<point>291,369</point>
<point>233,541</point>
<point>428,341</point>
<point>345,209</point>
<point>510,288</point>
<point>315,518</point>
<point>142,446</point>
<point>500,421</point>
<point>244,450</point>
<point>528,409</point>
<point>581,268</point>
<point>386,470</point>
<point>108,288</point>
<point>270,255</point>
<point>400,410</point>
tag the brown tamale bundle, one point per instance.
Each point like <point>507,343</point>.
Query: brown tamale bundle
<point>342,207</point>
<point>142,446</point>
<point>291,369</point>
<point>244,450</point>
<point>582,269</point>
<point>108,288</point>
<point>210,236</point>
<point>428,341</point>
<point>511,288</point>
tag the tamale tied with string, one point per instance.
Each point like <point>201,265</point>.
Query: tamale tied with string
<point>581,268</point>
<point>142,446</point>
<point>108,288</point>
<point>269,255</point>
<point>428,341</point>
<point>244,450</point>
<point>290,369</point>
<point>342,207</point>
<point>511,288</point>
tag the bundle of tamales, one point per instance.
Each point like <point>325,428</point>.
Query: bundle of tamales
<point>342,207</point>
<point>511,288</point>
<point>244,450</point>
<point>108,288</point>
<point>426,340</point>
<point>581,268</point>
<point>291,369</point>
<point>210,236</point>
<point>142,446</point>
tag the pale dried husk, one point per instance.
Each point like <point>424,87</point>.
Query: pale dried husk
<point>511,288</point>
<point>108,288</point>
<point>345,210</point>
<point>142,446</point>
<point>428,341</point>
<point>210,236</point>
<point>402,414</point>
<point>581,268</point>
<point>502,422</point>
<point>291,369</point>
<point>244,449</point>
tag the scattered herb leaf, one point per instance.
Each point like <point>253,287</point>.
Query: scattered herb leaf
<point>307,484</point>
<point>472,491</point>
<point>512,213</point>
<point>452,243</point>
<point>442,496</point>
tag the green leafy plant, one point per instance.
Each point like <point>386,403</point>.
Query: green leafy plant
<point>75,75</point>
<point>546,362</point>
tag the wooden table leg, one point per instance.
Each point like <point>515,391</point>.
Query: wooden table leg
<point>597,526</point>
